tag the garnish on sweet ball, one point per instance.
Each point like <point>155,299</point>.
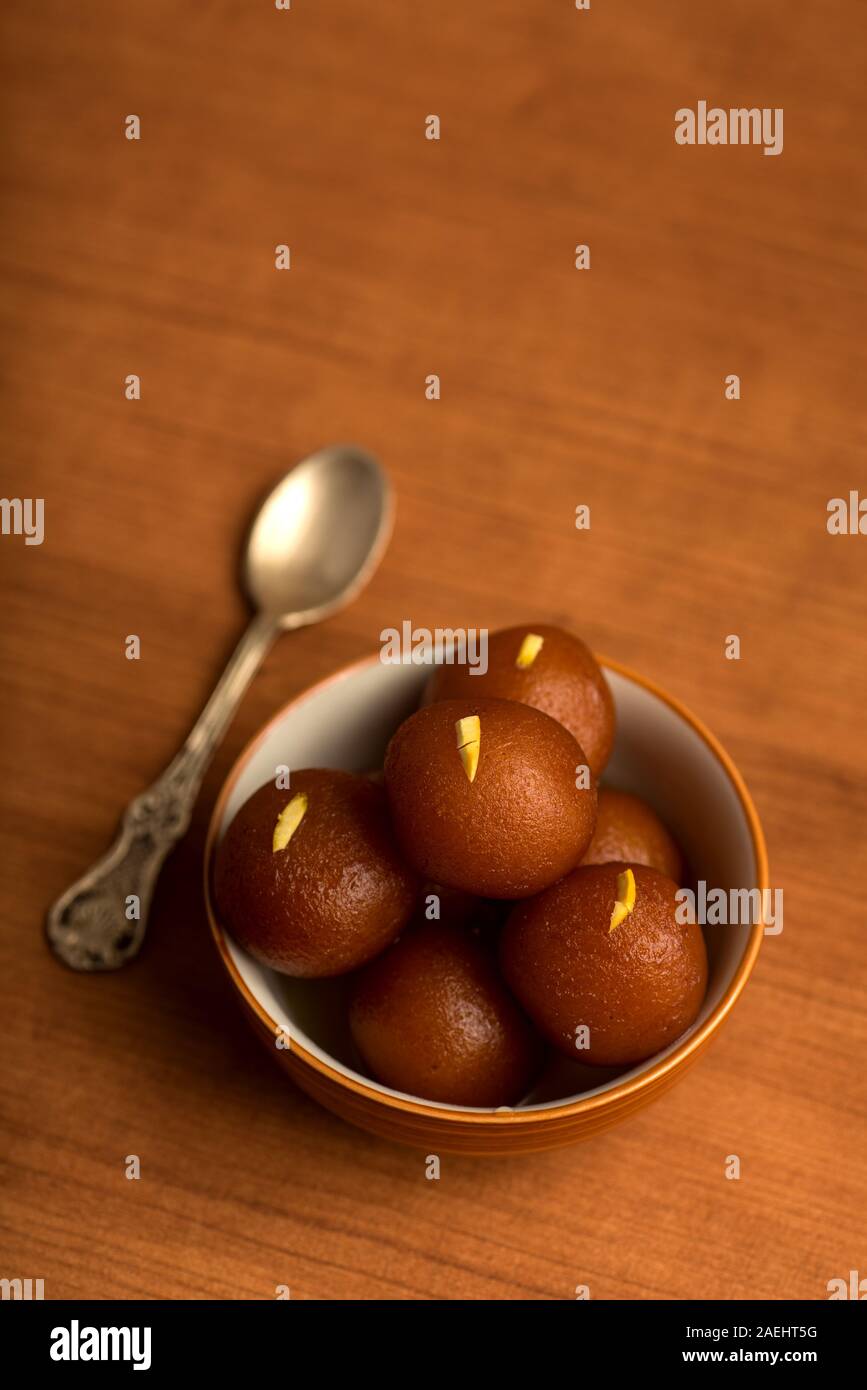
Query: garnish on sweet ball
<point>604,951</point>
<point>483,796</point>
<point>545,667</point>
<point>431,1017</point>
<point>309,879</point>
<point>628,831</point>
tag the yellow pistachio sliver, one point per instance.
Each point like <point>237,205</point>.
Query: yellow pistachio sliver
<point>469,732</point>
<point>530,649</point>
<point>625,899</point>
<point>289,820</point>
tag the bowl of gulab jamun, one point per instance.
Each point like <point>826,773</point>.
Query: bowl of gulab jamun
<point>454,900</point>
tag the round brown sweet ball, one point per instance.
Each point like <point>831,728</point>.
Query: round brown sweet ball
<point>557,674</point>
<point>431,1017</point>
<point>499,814</point>
<point>634,986</point>
<point>309,879</point>
<point>628,831</point>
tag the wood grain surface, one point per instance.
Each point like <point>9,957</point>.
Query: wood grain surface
<point>559,387</point>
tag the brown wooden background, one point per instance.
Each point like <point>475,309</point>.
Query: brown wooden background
<point>558,387</point>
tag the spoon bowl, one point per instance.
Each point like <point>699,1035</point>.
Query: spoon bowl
<point>318,536</point>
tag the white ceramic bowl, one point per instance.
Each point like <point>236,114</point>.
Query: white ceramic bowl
<point>662,753</point>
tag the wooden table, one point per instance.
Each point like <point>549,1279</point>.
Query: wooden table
<point>559,387</point>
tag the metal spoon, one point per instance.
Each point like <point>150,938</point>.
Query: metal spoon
<point>315,542</point>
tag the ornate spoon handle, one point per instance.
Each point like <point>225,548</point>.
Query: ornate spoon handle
<point>99,923</point>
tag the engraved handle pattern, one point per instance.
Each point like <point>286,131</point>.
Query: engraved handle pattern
<point>95,925</point>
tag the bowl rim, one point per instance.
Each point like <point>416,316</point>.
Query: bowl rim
<point>619,1091</point>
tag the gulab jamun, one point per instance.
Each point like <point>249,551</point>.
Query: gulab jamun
<point>431,1017</point>
<point>602,965</point>
<point>309,879</point>
<point>485,796</point>
<point>545,667</point>
<point>628,831</point>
